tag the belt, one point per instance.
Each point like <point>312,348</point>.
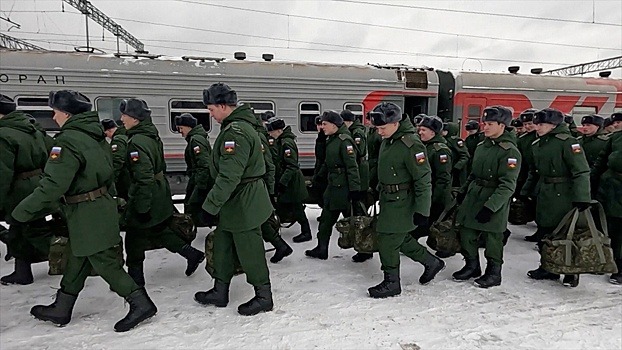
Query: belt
<point>88,196</point>
<point>554,180</point>
<point>337,170</point>
<point>28,174</point>
<point>159,176</point>
<point>361,159</point>
<point>250,179</point>
<point>396,187</point>
<point>486,183</point>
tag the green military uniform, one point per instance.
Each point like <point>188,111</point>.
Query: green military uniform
<point>404,177</point>
<point>319,181</point>
<point>274,149</point>
<point>472,141</point>
<point>592,146</point>
<point>240,199</point>
<point>149,196</point>
<point>197,155</point>
<point>359,134</point>
<point>459,154</point>
<point>49,140</point>
<point>373,149</point>
<point>122,179</point>
<point>439,157</point>
<point>23,155</point>
<point>290,179</point>
<point>341,169</point>
<point>525,147</point>
<point>80,170</point>
<point>607,171</point>
<point>491,184</point>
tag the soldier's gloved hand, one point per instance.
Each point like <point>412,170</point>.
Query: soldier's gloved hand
<point>208,219</point>
<point>484,215</point>
<point>460,197</point>
<point>420,220</point>
<point>356,195</point>
<point>12,221</point>
<point>143,217</point>
<point>202,192</point>
<point>280,189</point>
<point>582,206</point>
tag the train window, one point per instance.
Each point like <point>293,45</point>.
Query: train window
<point>474,112</point>
<point>194,107</point>
<point>416,79</point>
<point>260,106</point>
<point>355,108</point>
<point>38,108</point>
<point>108,107</point>
<point>307,111</point>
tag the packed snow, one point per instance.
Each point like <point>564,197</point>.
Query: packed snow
<point>324,305</point>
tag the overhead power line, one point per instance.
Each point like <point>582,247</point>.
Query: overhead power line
<point>589,67</point>
<point>9,42</point>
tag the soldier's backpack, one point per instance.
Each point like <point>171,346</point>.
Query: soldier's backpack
<point>358,232</point>
<point>577,246</point>
<point>444,232</point>
<point>209,257</point>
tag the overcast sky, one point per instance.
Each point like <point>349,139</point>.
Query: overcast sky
<point>457,35</point>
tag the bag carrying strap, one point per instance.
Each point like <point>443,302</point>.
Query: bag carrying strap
<point>594,232</point>
<point>448,209</point>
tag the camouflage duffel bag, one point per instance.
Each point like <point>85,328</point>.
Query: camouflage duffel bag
<point>520,213</point>
<point>182,225</point>
<point>577,246</point>
<point>209,257</point>
<point>444,232</point>
<point>59,252</point>
<point>365,235</point>
<point>346,235</point>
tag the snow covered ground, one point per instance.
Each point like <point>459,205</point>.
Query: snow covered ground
<point>324,305</point>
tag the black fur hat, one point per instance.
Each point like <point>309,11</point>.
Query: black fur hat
<point>265,116</point>
<point>220,93</point>
<point>616,117</point>
<point>526,116</point>
<point>135,108</point>
<point>332,117</point>
<point>186,119</point>
<point>275,123</point>
<point>318,120</point>
<point>108,124</point>
<point>472,125</point>
<point>385,113</point>
<point>593,119</point>
<point>347,115</point>
<point>7,105</point>
<point>607,122</point>
<point>517,123</point>
<point>69,101</point>
<point>433,123</point>
<point>499,114</point>
<point>548,115</point>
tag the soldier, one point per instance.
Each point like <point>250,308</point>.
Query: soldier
<point>359,134</point>
<point>318,181</point>
<point>518,126</point>
<point>608,126</point>
<point>290,184</point>
<point>240,198</point>
<point>197,154</point>
<point>405,193</point>
<point>485,198</point>
<point>49,140</point>
<point>344,183</point>
<point>593,138</point>
<point>563,179</point>
<point>373,149</point>
<point>118,144</point>
<point>524,144</point>
<point>569,120</point>
<point>475,136</point>
<point>22,157</point>
<point>439,158</point>
<point>459,153</point>
<point>79,172</point>
<point>607,174</point>
<point>150,205</point>
<point>274,150</point>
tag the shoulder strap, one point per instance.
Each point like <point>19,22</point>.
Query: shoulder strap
<point>562,136</point>
<point>408,140</point>
<point>505,145</point>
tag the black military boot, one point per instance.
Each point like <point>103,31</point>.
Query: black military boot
<point>217,296</point>
<point>536,237</point>
<point>492,276</point>
<point>261,302</point>
<point>141,308</point>
<point>616,278</point>
<point>471,269</point>
<point>319,252</point>
<point>303,237</point>
<point>443,254</point>
<point>389,287</point>
<point>193,256</point>
<point>22,274</point>
<point>361,257</point>
<point>59,312</point>
<point>136,272</point>
<point>570,281</point>
<point>433,265</point>
<point>282,250</point>
<point>506,236</point>
<point>542,274</point>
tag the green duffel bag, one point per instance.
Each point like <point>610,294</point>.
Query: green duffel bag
<point>59,252</point>
<point>358,232</point>
<point>445,232</point>
<point>520,213</point>
<point>209,256</point>
<point>577,246</point>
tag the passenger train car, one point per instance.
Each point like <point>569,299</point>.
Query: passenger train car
<point>297,92</point>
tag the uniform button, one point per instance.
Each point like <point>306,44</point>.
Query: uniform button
<point>397,197</point>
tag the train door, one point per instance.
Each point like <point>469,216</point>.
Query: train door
<point>414,105</point>
<point>471,110</point>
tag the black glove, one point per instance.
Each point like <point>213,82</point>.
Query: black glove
<point>202,192</point>
<point>484,215</point>
<point>12,221</point>
<point>208,219</point>
<point>460,197</point>
<point>420,220</point>
<point>356,196</point>
<point>582,206</point>
<point>143,217</point>
<point>273,200</point>
<point>280,189</point>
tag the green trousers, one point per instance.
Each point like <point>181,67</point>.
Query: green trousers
<point>105,263</point>
<point>137,241</point>
<point>270,230</point>
<point>328,219</point>
<point>248,246</point>
<point>614,226</point>
<point>391,244</point>
<point>31,242</point>
<point>494,244</point>
<point>297,211</point>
